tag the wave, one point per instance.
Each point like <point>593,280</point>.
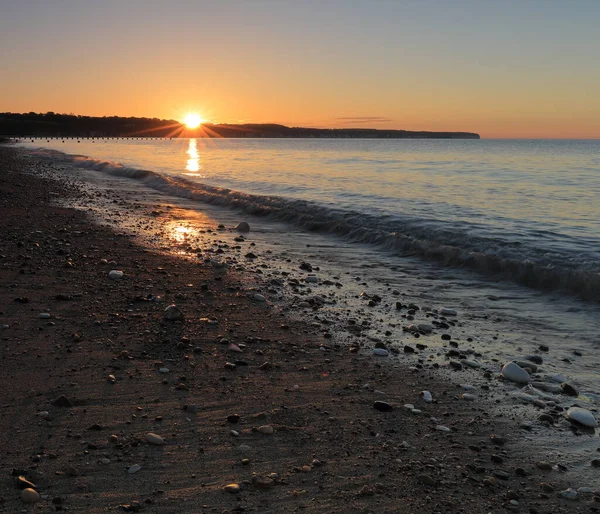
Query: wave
<point>436,240</point>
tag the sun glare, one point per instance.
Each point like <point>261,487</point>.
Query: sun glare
<point>192,120</point>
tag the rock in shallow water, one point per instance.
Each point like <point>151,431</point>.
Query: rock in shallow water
<point>582,416</point>
<point>515,373</point>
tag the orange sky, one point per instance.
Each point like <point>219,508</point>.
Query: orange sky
<point>502,70</point>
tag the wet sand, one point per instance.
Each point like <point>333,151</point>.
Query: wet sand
<point>107,345</point>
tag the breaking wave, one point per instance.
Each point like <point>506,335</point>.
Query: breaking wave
<point>447,243</point>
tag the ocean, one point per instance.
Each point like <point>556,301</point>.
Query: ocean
<point>506,233</point>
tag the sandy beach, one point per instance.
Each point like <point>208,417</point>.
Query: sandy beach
<point>255,411</point>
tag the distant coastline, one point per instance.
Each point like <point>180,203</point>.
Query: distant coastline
<point>69,125</point>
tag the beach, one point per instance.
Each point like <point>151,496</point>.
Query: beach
<point>257,409</point>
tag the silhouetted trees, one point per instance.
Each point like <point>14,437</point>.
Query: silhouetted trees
<point>51,124</point>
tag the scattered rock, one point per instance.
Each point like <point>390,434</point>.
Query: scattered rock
<point>242,226</point>
<point>29,495</point>
<point>62,401</point>
<point>568,389</point>
<point>266,429</point>
<point>232,488</point>
<point>582,416</point>
<point>173,313</point>
<point>115,274</point>
<point>426,479</point>
<point>155,439</point>
<point>515,373</point>
<point>382,406</point>
<point>134,469</point>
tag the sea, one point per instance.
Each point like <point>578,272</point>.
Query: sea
<point>504,232</point>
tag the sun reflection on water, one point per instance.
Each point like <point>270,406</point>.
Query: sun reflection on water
<point>193,163</point>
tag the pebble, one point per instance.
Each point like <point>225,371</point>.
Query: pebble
<point>471,364</point>
<point>242,226</point>
<point>232,488</point>
<point>568,389</point>
<point>154,439</point>
<point>311,279</point>
<point>29,495</point>
<point>445,311</point>
<point>44,315</point>
<point>425,327</point>
<point>426,479</point>
<point>266,429</point>
<point>426,395</point>
<point>467,396</point>
<point>443,428</point>
<point>259,297</point>
<point>569,494</point>
<point>382,406</point>
<point>381,352</point>
<point>173,313</point>
<point>134,469</point>
<point>582,416</point>
<point>62,401</point>
<point>115,274</point>
<point>105,460</point>
<point>456,365</point>
<point>163,370</point>
<point>515,373</point>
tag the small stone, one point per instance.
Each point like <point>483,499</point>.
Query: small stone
<point>442,428</point>
<point>546,466</point>
<point>259,298</point>
<point>426,479</point>
<point>44,315</point>
<point>155,439</point>
<point>569,389</point>
<point>30,495</point>
<point>515,373</point>
<point>71,471</point>
<point>426,395</point>
<point>582,416</point>
<point>242,226</point>
<point>62,401</point>
<point>547,488</point>
<point>445,311</point>
<point>232,488</point>
<point>172,313</point>
<point>262,482</point>
<point>382,406</point>
<point>456,365</point>
<point>266,429</point>
<point>381,352</point>
<point>115,274</point>
<point>425,327</point>
<point>134,469</point>
<point>233,418</point>
<point>104,460</point>
<point>569,494</point>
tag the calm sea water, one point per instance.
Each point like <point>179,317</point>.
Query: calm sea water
<point>525,211</point>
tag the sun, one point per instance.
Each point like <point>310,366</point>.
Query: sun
<point>193,120</point>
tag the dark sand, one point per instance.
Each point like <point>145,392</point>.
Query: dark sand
<point>331,450</point>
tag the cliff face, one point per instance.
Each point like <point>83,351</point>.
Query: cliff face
<point>68,125</point>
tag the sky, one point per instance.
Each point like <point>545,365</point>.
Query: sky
<point>503,68</point>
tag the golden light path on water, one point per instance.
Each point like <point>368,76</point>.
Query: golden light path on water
<point>193,163</point>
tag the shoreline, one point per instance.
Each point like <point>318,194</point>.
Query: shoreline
<point>331,449</point>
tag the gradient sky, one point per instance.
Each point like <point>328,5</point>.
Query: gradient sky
<point>502,68</point>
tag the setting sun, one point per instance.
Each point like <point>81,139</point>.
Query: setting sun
<point>192,120</point>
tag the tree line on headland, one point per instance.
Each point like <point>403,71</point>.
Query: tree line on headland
<point>51,124</point>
